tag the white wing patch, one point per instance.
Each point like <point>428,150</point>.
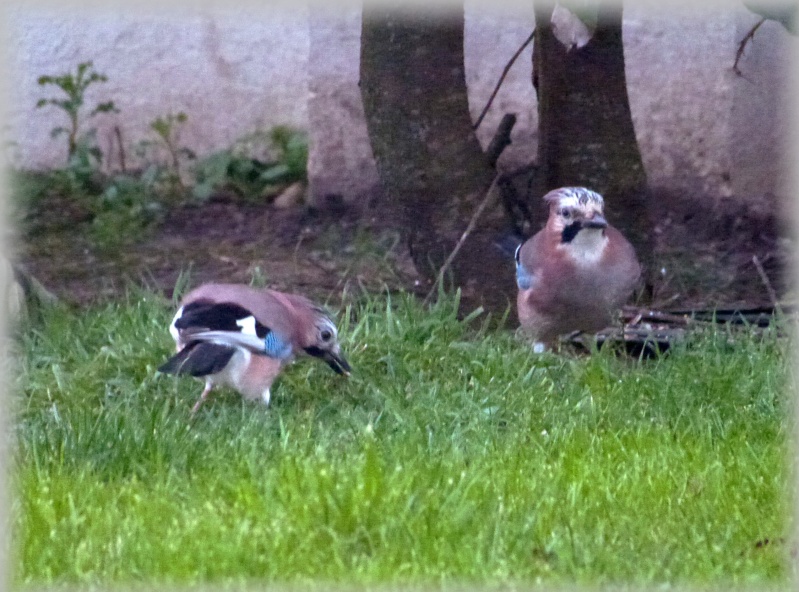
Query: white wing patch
<point>247,325</point>
<point>231,339</point>
<point>173,331</point>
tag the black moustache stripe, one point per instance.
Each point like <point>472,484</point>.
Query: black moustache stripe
<point>314,351</point>
<point>570,231</point>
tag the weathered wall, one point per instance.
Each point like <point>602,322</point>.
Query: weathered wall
<point>701,128</point>
<point>340,160</point>
<point>760,133</point>
<point>231,71</point>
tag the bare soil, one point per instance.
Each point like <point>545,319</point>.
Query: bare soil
<point>704,253</point>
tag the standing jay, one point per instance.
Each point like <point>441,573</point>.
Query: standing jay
<point>240,336</point>
<point>576,272</point>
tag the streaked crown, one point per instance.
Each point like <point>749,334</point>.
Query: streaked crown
<point>570,207</point>
<point>575,197</point>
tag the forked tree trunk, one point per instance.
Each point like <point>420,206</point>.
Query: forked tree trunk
<point>428,157</point>
<point>586,134</point>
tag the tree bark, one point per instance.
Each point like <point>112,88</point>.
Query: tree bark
<point>586,134</point>
<point>428,157</point>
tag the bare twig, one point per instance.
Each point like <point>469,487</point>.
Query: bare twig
<point>118,134</point>
<point>466,233</point>
<point>32,288</point>
<point>769,288</point>
<point>502,79</point>
<point>501,139</point>
<point>748,37</point>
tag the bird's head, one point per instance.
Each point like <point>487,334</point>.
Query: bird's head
<point>321,341</point>
<point>573,210</point>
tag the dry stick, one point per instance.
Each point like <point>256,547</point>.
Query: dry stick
<point>771,293</point>
<point>501,138</point>
<point>738,54</point>
<point>654,315</point>
<point>33,288</point>
<point>501,79</point>
<point>118,134</point>
<point>469,228</point>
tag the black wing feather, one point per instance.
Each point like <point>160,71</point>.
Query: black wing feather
<point>198,358</point>
<point>212,316</point>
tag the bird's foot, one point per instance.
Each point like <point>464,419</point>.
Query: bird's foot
<point>265,397</point>
<point>202,398</point>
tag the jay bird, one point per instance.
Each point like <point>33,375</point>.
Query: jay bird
<point>576,272</point>
<point>240,336</point>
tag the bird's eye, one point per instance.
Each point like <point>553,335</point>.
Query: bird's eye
<point>325,335</point>
<point>565,213</point>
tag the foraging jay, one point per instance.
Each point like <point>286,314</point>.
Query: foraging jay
<point>576,272</point>
<point>240,336</point>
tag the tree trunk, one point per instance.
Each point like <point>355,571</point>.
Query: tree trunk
<point>428,157</point>
<point>586,134</point>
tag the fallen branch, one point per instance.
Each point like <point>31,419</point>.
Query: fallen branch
<point>32,287</point>
<point>637,314</point>
<point>771,292</point>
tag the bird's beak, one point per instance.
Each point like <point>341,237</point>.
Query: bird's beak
<point>335,360</point>
<point>338,364</point>
<point>598,221</point>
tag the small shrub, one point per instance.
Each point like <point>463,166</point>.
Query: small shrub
<point>74,86</point>
<point>171,173</point>
<point>292,147</point>
<point>121,207</point>
<point>127,208</point>
<point>240,170</point>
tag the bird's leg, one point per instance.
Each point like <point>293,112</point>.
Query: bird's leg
<point>265,396</point>
<point>208,386</point>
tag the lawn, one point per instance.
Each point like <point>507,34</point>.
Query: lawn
<point>451,454</point>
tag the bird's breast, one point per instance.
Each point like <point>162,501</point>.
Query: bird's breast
<point>249,373</point>
<point>587,249</point>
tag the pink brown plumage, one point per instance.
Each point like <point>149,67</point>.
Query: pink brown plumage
<point>576,272</point>
<point>241,337</point>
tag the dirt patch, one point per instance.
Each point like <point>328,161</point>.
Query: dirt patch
<point>321,253</point>
<point>705,253</point>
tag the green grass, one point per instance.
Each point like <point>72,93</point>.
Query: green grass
<point>451,454</point>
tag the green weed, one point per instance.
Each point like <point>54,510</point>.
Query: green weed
<point>74,87</point>
<point>257,166</point>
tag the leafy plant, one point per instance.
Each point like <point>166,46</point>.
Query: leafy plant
<point>82,173</point>
<point>240,169</point>
<point>167,130</point>
<point>121,207</point>
<point>292,149</point>
<point>126,209</point>
<point>211,173</point>
<point>74,86</point>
